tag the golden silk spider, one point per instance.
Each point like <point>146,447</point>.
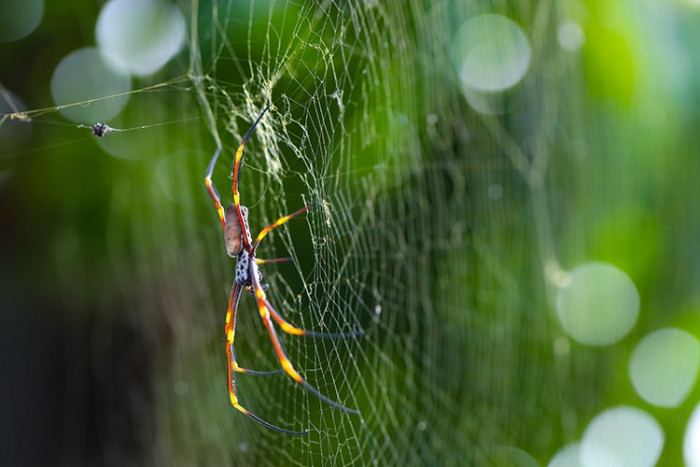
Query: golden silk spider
<point>239,245</point>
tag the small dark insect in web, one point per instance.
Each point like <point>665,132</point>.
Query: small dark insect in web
<point>99,129</point>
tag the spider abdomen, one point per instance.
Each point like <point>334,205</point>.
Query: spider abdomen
<point>234,233</point>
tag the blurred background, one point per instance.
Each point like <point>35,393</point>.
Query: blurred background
<point>504,194</point>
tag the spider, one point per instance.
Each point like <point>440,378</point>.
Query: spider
<point>239,245</point>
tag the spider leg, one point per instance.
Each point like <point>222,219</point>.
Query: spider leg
<point>273,260</point>
<point>263,233</point>
<point>264,423</point>
<point>284,324</point>
<point>249,288</point>
<point>238,369</point>
<point>264,310</point>
<point>233,366</point>
<point>212,189</point>
<point>291,329</point>
<point>234,401</point>
<point>236,168</point>
<point>230,332</point>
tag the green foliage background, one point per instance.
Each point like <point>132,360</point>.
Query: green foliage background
<point>113,276</point>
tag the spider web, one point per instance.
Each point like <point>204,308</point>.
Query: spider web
<point>366,124</point>
<point>336,137</point>
<point>432,233</point>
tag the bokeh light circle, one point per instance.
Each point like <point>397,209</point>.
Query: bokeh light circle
<point>622,436</point>
<point>664,365</point>
<point>143,34</point>
<point>598,305</point>
<point>568,456</point>
<point>84,75</point>
<point>570,36</point>
<point>491,53</point>
<point>510,455</point>
<point>691,440</point>
<point>19,18</point>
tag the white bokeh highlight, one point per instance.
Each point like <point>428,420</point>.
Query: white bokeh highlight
<point>143,35</point>
<point>622,436</point>
<point>691,440</point>
<point>19,18</point>
<point>568,456</point>
<point>598,304</point>
<point>490,53</point>
<point>664,365</point>
<point>570,36</point>
<point>84,75</point>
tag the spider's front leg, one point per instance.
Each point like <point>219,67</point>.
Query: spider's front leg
<point>283,323</point>
<point>212,189</point>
